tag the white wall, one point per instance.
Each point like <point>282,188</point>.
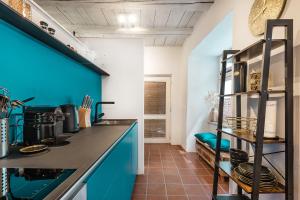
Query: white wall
<point>241,38</point>
<point>203,73</point>
<point>167,61</point>
<point>123,59</point>
<point>202,78</point>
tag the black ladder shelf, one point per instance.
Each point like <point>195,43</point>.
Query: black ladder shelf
<point>262,47</point>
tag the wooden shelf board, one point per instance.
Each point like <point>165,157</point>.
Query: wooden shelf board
<point>272,93</point>
<point>256,49</point>
<point>248,137</point>
<point>231,197</point>
<point>12,17</point>
<point>226,167</point>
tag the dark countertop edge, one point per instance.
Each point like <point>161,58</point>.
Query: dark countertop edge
<point>69,188</point>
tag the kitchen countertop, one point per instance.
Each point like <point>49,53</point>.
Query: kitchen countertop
<point>85,148</point>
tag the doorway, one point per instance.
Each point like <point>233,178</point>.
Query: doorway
<point>157,109</point>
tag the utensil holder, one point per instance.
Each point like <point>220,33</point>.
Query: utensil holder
<point>4,130</point>
<point>84,117</point>
<point>4,184</point>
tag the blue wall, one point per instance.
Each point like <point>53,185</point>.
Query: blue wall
<point>31,68</point>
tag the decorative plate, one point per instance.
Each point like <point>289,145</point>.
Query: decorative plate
<point>33,149</point>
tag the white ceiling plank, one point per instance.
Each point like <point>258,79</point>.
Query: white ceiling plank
<point>56,14</point>
<point>96,15</point>
<point>72,14</point>
<point>186,19</point>
<point>109,16</point>
<point>160,41</point>
<point>171,41</point>
<point>162,17</point>
<point>180,41</point>
<point>194,19</point>
<point>149,41</point>
<point>147,17</point>
<point>175,17</point>
<point>85,16</point>
<point>160,22</point>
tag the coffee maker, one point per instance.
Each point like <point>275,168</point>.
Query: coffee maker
<point>41,124</point>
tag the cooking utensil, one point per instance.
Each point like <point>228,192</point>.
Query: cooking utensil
<point>91,103</point>
<point>87,102</point>
<point>4,131</point>
<point>16,104</point>
<point>4,102</point>
<point>28,99</point>
<point>84,101</point>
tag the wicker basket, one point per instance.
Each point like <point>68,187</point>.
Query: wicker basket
<point>17,5</point>
<point>27,11</point>
<point>242,124</point>
<point>22,7</point>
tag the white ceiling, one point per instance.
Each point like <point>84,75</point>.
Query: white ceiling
<point>160,22</point>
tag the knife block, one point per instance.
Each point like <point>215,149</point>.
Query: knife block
<point>84,117</point>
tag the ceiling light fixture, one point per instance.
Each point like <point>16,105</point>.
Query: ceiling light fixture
<point>127,20</point>
<point>122,19</point>
<point>132,19</point>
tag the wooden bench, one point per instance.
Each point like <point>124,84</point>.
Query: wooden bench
<point>208,154</point>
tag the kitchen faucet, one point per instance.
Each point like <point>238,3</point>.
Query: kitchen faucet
<point>99,116</point>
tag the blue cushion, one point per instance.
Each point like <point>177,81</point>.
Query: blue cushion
<point>225,144</point>
<point>203,137</point>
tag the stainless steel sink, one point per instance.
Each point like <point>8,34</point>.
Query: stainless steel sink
<point>114,122</point>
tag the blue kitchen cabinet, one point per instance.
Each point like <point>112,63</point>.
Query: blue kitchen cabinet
<point>114,178</point>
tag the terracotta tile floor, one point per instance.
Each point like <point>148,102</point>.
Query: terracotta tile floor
<point>173,174</point>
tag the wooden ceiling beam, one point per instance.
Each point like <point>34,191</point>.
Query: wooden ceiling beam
<point>101,31</point>
<point>168,4</point>
<point>108,30</point>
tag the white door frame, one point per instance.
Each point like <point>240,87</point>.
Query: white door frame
<point>167,116</point>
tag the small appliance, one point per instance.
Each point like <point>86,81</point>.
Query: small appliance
<point>41,124</point>
<point>71,122</point>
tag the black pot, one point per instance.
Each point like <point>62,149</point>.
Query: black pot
<point>238,156</point>
<point>51,31</point>
<point>44,25</point>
